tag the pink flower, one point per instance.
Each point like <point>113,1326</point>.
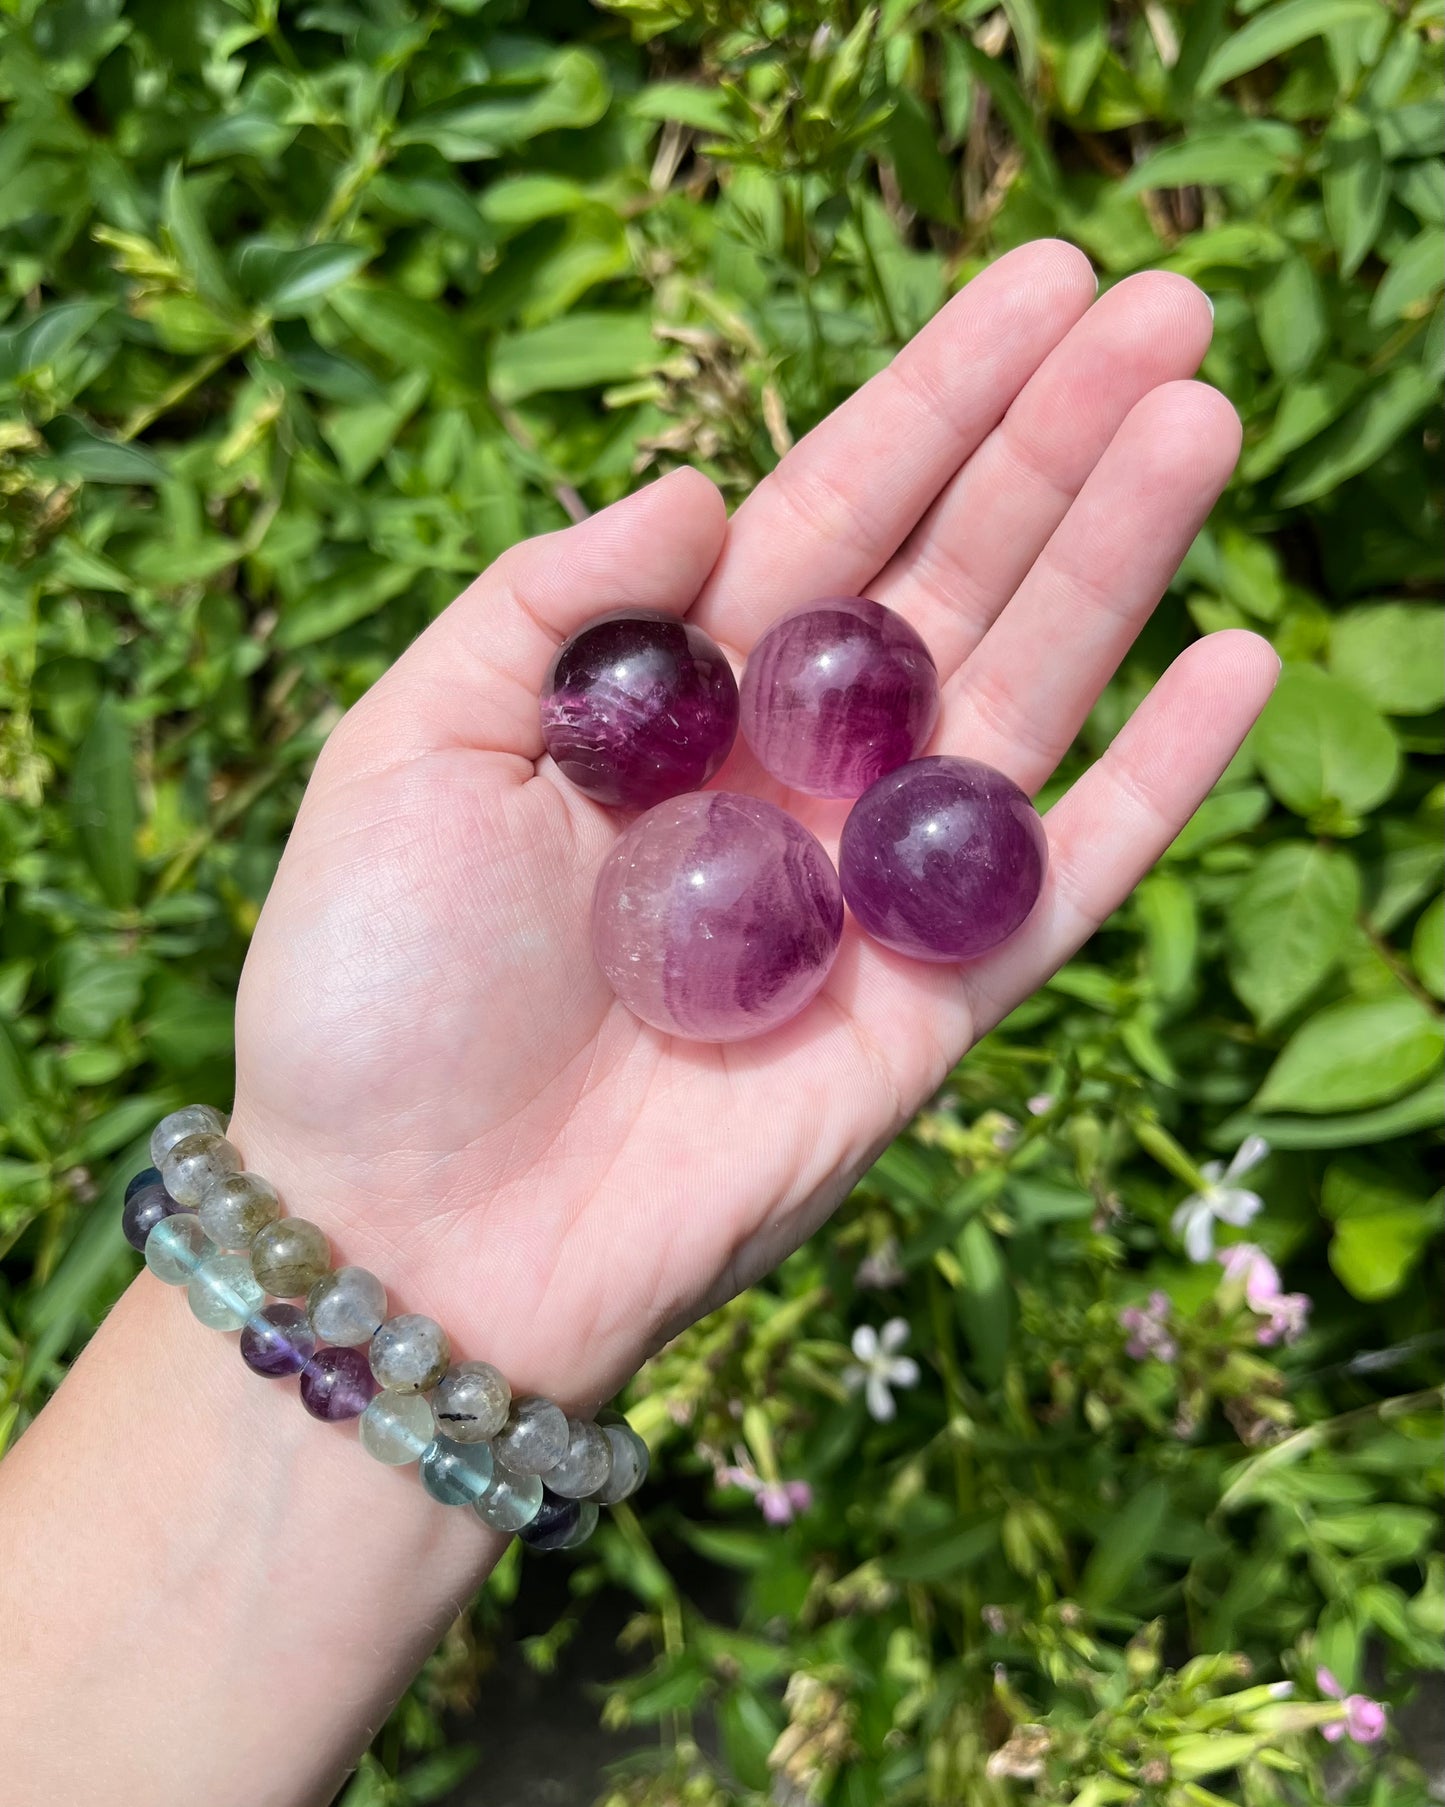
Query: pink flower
<point>1288,1313</point>
<point>1365,1719</point>
<point>780,1502</point>
<point>1148,1329</point>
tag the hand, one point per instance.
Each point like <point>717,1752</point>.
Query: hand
<point>429,1063</point>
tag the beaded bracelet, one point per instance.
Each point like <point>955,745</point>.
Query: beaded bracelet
<point>522,1465</point>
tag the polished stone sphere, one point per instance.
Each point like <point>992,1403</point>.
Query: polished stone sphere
<point>942,859</point>
<point>716,917</point>
<point>639,706</point>
<point>837,693</point>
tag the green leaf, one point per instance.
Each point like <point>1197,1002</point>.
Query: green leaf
<point>1244,153</point>
<point>1223,816</point>
<point>362,435</point>
<point>1354,1054</point>
<point>1125,1545</point>
<point>50,335</point>
<point>1427,949</point>
<point>1288,926</point>
<point>1357,441</point>
<point>1273,31</point>
<point>406,330</point>
<point>937,1555</point>
<point>1380,1229</point>
<point>1413,280</point>
<point>582,351</point>
<point>1393,653</point>
<point>348,595</point>
<point>706,109</point>
<point>81,453</point>
<point>493,120</point>
<point>985,1298</point>
<point>522,200</point>
<point>184,211</point>
<point>1373,1257</point>
<point>284,277</point>
<point>925,175</point>
<point>1319,743</point>
<point>1420,1110</point>
<point>1293,324</point>
<point>103,804</point>
<point>1356,186</point>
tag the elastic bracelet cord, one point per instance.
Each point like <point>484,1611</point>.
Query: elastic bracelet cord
<point>521,1465</point>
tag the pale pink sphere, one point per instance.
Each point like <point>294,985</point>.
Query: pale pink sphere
<point>716,917</point>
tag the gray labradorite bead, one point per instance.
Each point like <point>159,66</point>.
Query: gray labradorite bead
<point>289,1256</point>
<point>587,1463</point>
<point>346,1306</point>
<point>397,1428</point>
<point>472,1402</point>
<point>223,1292</point>
<point>193,1165</point>
<point>511,1501</point>
<point>409,1354</point>
<point>457,1474</point>
<point>236,1207</point>
<point>193,1120</point>
<point>176,1247</point>
<point>630,1462</point>
<point>534,1439</point>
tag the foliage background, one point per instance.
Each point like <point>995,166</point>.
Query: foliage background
<point>310,310</point>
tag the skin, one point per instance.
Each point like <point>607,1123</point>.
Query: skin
<point>430,1066</point>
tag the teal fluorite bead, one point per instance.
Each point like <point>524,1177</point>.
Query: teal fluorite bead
<point>511,1501</point>
<point>176,1247</point>
<point>223,1292</point>
<point>397,1428</point>
<point>457,1474</point>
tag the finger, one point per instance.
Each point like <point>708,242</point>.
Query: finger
<point>472,678</point>
<point>1116,821</point>
<point>1020,700</point>
<point>842,501</point>
<point>971,551</point>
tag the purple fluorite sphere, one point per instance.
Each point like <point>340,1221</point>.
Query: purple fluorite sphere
<point>146,1203</point>
<point>837,693</point>
<point>716,917</point>
<point>338,1383</point>
<point>942,859</point>
<point>639,706</point>
<point>278,1340</point>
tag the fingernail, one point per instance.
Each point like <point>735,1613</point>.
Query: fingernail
<point>1208,303</point>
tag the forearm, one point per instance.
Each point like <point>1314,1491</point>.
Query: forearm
<point>185,1548</point>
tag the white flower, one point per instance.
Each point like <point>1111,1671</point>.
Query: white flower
<point>1194,1221</point>
<point>880,1366</point>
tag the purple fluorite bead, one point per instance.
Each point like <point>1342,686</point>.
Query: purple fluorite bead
<point>837,693</point>
<point>146,1203</point>
<point>639,706</point>
<point>338,1383</point>
<point>716,917</point>
<point>942,859</point>
<point>277,1340</point>
<point>554,1523</point>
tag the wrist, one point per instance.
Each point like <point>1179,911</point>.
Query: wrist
<point>441,1266</point>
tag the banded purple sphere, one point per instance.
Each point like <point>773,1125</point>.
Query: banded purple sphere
<point>338,1383</point>
<point>278,1341</point>
<point>837,693</point>
<point>716,917</point>
<point>637,707</point>
<point>146,1203</point>
<point>942,859</point>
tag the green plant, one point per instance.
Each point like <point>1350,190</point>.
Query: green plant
<point>307,314</point>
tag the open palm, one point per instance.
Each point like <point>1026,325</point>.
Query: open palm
<point>430,1065</point>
